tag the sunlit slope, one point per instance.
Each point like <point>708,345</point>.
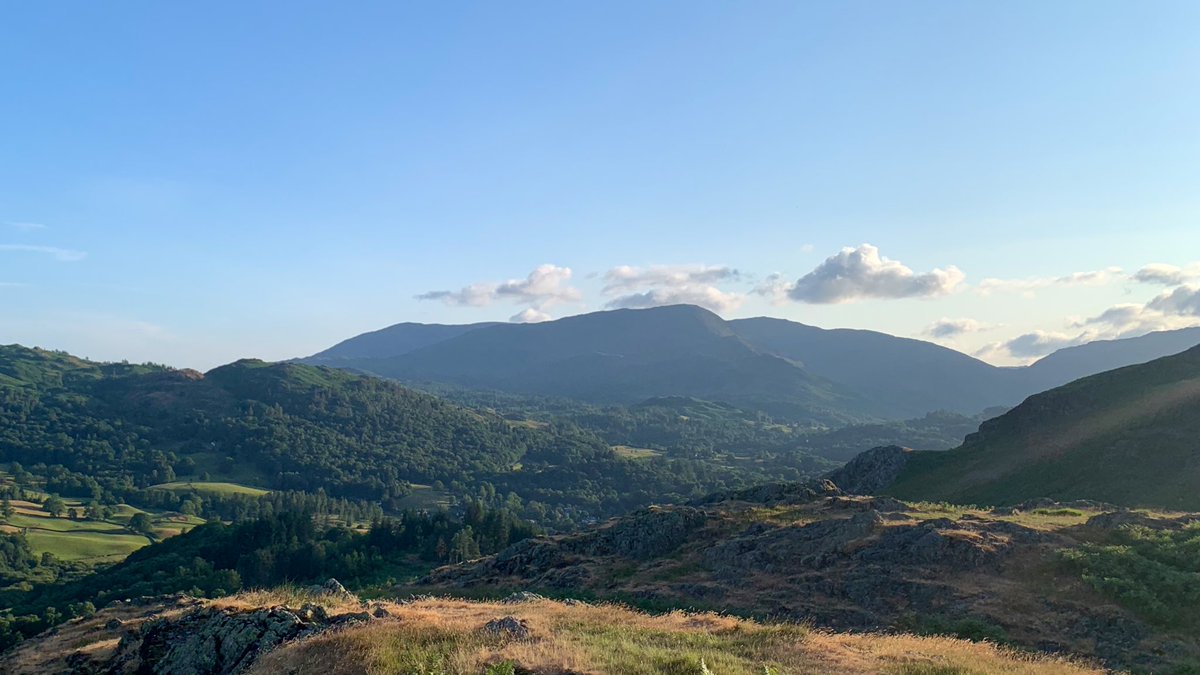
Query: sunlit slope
<point>1128,436</point>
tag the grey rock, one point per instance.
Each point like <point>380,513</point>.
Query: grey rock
<point>312,613</point>
<point>644,534</point>
<point>520,597</point>
<point>217,641</point>
<point>872,471</point>
<point>332,588</point>
<point>508,627</point>
<point>350,618</point>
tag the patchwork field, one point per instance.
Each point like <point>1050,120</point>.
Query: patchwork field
<point>635,453</point>
<point>208,487</point>
<point>86,540</point>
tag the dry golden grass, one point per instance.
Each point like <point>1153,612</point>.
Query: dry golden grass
<point>436,637</point>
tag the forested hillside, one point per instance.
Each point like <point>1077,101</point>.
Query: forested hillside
<point>111,431</point>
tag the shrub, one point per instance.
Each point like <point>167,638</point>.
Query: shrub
<point>1153,572</point>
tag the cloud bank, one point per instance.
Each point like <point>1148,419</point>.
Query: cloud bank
<point>27,227</point>
<point>862,273</point>
<point>544,287</point>
<point>59,254</point>
<point>1029,285</point>
<point>945,328</point>
<point>639,288</point>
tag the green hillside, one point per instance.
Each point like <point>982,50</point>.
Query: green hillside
<point>1129,436</point>
<point>112,432</point>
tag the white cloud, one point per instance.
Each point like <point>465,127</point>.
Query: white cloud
<point>544,287</point>
<point>774,287</point>
<point>1167,275</point>
<point>529,315</point>
<point>807,248</point>
<point>950,328</point>
<point>708,297</point>
<point>660,285</point>
<point>1171,310</point>
<point>1123,321</point>
<point>1182,301</point>
<point>60,254</point>
<point>1031,345</point>
<point>1029,285</point>
<point>861,273</point>
<point>26,226</point>
<point>626,278</point>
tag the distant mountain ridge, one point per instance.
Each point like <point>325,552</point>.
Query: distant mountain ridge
<point>622,356</point>
<point>902,377</point>
<point>394,340</point>
<point>1071,363</point>
<point>781,367</point>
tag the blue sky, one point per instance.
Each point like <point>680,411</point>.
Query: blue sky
<point>198,182</point>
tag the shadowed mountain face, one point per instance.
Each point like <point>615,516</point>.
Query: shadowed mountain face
<point>901,377</point>
<point>625,356</point>
<point>401,338</point>
<point>785,368</point>
<point>1129,436</point>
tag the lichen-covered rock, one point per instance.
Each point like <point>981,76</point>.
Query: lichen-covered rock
<point>872,471</point>
<point>520,597</point>
<point>217,640</point>
<point>508,627</point>
<point>332,588</point>
<point>643,534</point>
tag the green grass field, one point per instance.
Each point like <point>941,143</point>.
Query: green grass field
<point>629,452</point>
<point>91,541</point>
<point>425,497</point>
<point>45,522</point>
<point>92,547</point>
<point>100,541</point>
<point>202,487</point>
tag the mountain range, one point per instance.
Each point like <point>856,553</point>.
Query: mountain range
<point>787,369</point>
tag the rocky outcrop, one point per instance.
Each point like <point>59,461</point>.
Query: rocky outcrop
<point>549,562</point>
<point>332,588</point>
<point>872,471</point>
<point>217,640</point>
<point>644,534</point>
<point>774,494</point>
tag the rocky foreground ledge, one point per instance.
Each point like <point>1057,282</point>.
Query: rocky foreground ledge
<point>262,634</point>
<point>814,553</point>
<point>182,634</point>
